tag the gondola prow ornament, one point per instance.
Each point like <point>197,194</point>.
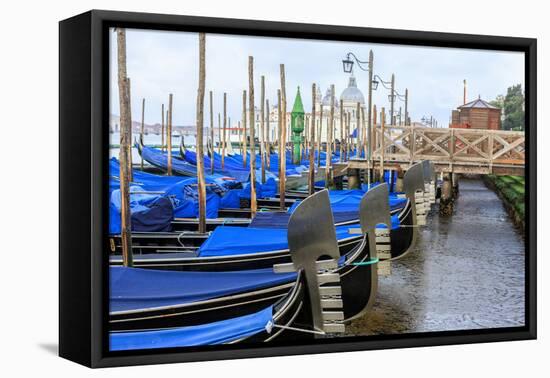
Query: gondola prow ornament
<point>314,250</point>
<point>374,210</point>
<point>414,188</point>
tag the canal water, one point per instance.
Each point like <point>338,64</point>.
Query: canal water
<point>466,272</point>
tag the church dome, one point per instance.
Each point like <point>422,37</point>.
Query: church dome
<point>352,94</point>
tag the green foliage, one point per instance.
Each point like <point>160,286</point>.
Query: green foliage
<point>513,104</point>
<point>507,179</point>
<point>519,179</point>
<point>498,102</point>
<point>511,195</point>
<point>500,184</point>
<point>518,188</point>
<point>520,209</point>
<point>512,189</point>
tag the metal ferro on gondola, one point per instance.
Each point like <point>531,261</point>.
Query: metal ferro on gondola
<point>314,250</point>
<point>413,182</point>
<point>374,210</point>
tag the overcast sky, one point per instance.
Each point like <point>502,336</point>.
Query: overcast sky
<point>161,62</point>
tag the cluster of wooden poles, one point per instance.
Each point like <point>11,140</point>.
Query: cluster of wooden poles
<point>313,132</point>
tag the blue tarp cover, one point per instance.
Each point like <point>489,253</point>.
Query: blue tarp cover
<point>232,240</point>
<point>204,334</point>
<point>149,213</point>
<point>269,189</point>
<point>348,201</point>
<point>181,191</point>
<point>182,167</point>
<point>134,288</point>
<point>276,219</point>
<point>233,165</point>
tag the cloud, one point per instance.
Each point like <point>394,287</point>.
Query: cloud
<point>161,62</point>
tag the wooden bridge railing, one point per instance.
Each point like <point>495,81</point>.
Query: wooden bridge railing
<point>456,150</point>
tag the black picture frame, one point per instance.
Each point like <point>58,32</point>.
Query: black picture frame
<point>83,159</point>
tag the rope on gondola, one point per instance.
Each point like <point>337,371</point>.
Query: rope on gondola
<point>368,262</point>
<point>181,234</point>
<point>298,329</point>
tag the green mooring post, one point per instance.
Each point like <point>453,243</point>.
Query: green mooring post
<point>297,127</point>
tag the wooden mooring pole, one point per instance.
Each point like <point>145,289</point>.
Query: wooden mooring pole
<point>382,142</point>
<point>224,128</point>
<point>373,172</point>
<point>162,128</point>
<point>354,179</point>
<point>142,128</point>
<point>262,126</point>
<point>279,131</point>
<point>200,134</point>
<point>341,131</point>
<point>219,133</point>
<point>311,172</point>
<point>169,134</point>
<point>358,139</point>
<point>348,137</point>
<point>364,151</point>
<point>446,201</point>
<point>244,129</point>
<point>211,133</point>
<point>399,180</point>
<point>282,156</point>
<point>130,139</point>
<point>454,178</point>
<point>125,125</point>
<point>267,132</point>
<point>330,129</point>
<point>240,133</point>
<point>253,203</point>
<point>320,133</point>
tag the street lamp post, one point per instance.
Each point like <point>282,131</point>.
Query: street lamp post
<point>374,80</point>
<point>347,65</point>
<point>369,117</point>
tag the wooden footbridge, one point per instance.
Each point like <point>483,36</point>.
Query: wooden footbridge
<point>452,150</point>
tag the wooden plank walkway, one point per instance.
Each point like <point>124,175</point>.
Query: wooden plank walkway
<point>452,150</point>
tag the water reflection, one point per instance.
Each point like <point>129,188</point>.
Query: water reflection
<point>466,272</point>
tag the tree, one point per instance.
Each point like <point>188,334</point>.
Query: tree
<point>498,102</point>
<point>513,107</point>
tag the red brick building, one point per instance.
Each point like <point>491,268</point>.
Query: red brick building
<point>477,114</point>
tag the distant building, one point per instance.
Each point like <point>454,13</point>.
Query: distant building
<point>477,114</point>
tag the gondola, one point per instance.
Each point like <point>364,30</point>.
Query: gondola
<point>221,193</point>
<point>223,249</point>
<point>234,172</point>
<point>265,325</point>
<point>311,236</point>
<point>181,167</point>
<point>272,202</point>
<point>295,174</point>
<point>293,315</point>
